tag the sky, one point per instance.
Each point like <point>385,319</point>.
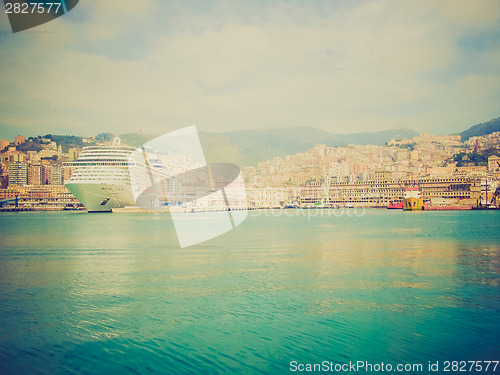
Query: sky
<point>153,66</point>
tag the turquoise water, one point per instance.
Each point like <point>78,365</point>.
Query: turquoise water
<point>114,294</point>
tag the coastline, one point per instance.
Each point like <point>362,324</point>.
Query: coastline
<point>136,209</point>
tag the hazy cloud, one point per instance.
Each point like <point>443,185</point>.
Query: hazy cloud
<point>340,66</point>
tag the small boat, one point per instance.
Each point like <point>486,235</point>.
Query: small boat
<point>290,205</point>
<point>395,206</point>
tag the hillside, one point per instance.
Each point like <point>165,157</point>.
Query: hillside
<point>248,147</point>
<point>482,129</point>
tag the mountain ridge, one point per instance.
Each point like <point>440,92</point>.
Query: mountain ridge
<point>483,128</point>
<point>248,147</point>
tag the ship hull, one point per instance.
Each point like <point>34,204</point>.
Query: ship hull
<point>101,197</point>
<point>413,204</point>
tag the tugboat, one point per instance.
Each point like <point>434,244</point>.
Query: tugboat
<point>413,199</point>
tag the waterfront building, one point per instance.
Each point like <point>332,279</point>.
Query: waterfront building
<point>46,197</point>
<point>11,192</point>
<point>461,189</point>
<point>18,173</point>
<point>73,153</point>
<point>267,197</point>
<point>46,164</point>
<point>55,175</point>
<point>36,174</point>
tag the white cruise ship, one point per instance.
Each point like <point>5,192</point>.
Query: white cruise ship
<point>107,177</point>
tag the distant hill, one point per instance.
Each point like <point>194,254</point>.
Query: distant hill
<point>482,129</point>
<point>66,141</point>
<point>134,139</point>
<point>248,147</point>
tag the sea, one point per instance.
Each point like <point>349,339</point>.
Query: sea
<point>286,291</point>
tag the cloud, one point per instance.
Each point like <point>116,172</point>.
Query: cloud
<point>470,14</point>
<point>344,67</point>
<point>111,19</point>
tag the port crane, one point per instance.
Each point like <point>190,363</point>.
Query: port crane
<point>325,199</point>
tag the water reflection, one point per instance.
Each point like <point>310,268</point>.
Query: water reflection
<point>116,292</point>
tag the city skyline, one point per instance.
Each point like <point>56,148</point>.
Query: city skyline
<point>364,175</point>
<point>337,66</point>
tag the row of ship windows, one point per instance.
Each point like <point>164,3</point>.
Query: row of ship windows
<point>122,176</point>
<point>90,163</point>
<point>398,194</point>
<point>107,155</point>
<point>124,150</point>
<point>397,190</point>
<point>360,194</point>
<point>102,171</point>
<point>455,194</point>
<point>94,164</point>
<point>314,200</point>
<point>93,178</point>
<point>93,181</point>
<point>108,178</point>
<point>119,176</point>
<point>385,184</point>
<point>102,160</point>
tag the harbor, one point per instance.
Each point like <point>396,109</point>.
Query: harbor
<point>385,286</point>
<point>437,194</point>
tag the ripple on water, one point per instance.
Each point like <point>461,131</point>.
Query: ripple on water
<point>128,300</point>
